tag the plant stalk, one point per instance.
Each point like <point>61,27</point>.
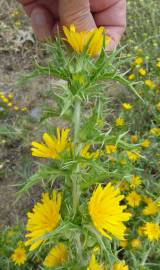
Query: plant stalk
<point>77,116</point>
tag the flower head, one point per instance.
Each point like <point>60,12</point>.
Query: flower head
<point>43,219</point>
<point>134,138</point>
<point>133,199</point>
<point>110,149</point>
<point>120,266</point>
<point>85,153</point>
<point>127,106</point>
<point>150,84</point>
<point>158,106</point>
<point>19,255</point>
<point>138,61</point>
<point>151,208</point>
<point>53,146</point>
<point>136,243</point>
<point>131,77</point>
<point>107,213</point>
<point>92,40</point>
<point>146,143</point>
<point>133,156</point>
<point>155,132</point>
<point>135,181</point>
<point>142,72</point>
<point>56,256</point>
<point>119,122</point>
<point>152,231</point>
<point>93,264</point>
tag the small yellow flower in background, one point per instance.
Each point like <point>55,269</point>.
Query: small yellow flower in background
<point>133,199</point>
<point>158,106</point>
<point>142,72</point>
<point>134,138</point>
<point>155,132</point>
<point>10,96</point>
<point>18,24</point>
<point>150,84</point>
<point>119,122</point>
<point>131,77</point>
<point>85,153</point>
<point>123,244</point>
<point>135,181</point>
<point>146,143</point>
<point>136,243</point>
<point>16,108</point>
<point>120,266</point>
<point>158,64</point>
<point>138,61</point>
<point>110,149</point>
<point>133,156</point>
<point>151,208</point>
<point>53,146</point>
<point>57,256</point>
<point>43,219</point>
<point>78,78</point>
<point>106,212</point>
<point>9,104</point>
<point>122,162</point>
<point>93,264</point>
<point>24,109</point>
<point>140,230</point>
<point>80,40</point>
<point>152,231</point>
<point>127,106</point>
<point>19,255</point>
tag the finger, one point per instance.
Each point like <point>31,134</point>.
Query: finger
<point>77,13</point>
<point>42,22</point>
<point>114,20</point>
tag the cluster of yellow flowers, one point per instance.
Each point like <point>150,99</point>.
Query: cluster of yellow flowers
<point>8,101</point>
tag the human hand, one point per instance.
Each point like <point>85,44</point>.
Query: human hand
<point>46,15</point>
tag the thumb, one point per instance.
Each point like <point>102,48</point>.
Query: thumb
<point>77,13</point>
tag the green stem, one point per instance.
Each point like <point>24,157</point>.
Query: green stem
<point>75,194</point>
<point>79,248</point>
<point>146,256</point>
<point>77,112</point>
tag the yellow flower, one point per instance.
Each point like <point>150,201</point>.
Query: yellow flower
<point>133,199</point>
<point>158,64</point>
<point>134,138</point>
<point>123,244</point>
<point>122,162</point>
<point>135,181</point>
<point>136,243</point>
<point>151,208</point>
<point>16,108</point>
<point>133,156</point>
<point>146,143</point>
<point>79,41</point>
<point>119,122</point>
<point>140,230</point>
<point>110,149</point>
<point>53,146</point>
<point>107,213</point>
<point>93,265</point>
<point>158,106</point>
<point>138,61</point>
<point>127,106</point>
<point>155,132</point>
<point>152,231</point>
<point>19,255</point>
<point>120,266</point>
<point>57,256</point>
<point>142,71</point>
<point>44,219</point>
<point>85,153</point>
<point>150,84</point>
<point>131,77</point>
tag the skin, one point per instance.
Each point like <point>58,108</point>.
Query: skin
<point>46,15</point>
